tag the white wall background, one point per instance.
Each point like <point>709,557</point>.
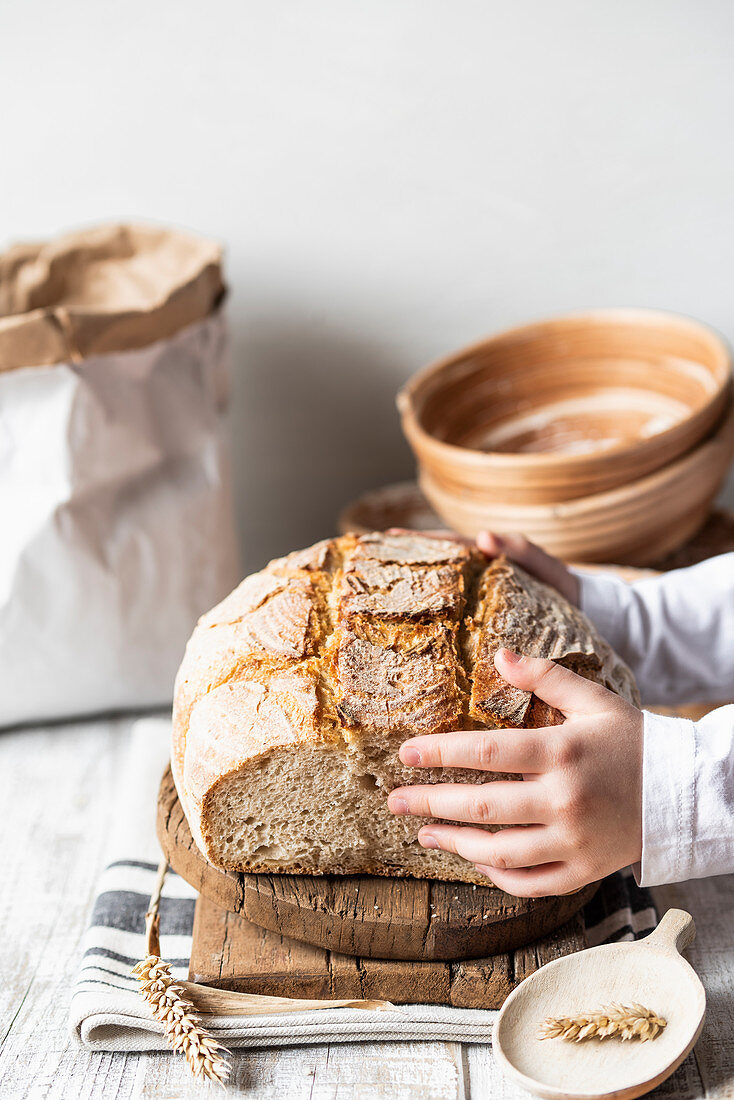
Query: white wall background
<point>392,179</point>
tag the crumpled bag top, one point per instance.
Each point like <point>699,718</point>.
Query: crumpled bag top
<point>104,289</point>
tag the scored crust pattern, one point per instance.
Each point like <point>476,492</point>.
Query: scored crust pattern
<point>368,640</point>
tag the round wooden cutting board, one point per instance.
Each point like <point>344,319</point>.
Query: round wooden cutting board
<point>366,915</point>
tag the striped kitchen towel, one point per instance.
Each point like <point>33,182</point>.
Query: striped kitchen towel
<point>107,1012</point>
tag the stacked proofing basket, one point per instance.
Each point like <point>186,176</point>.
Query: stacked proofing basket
<point>602,436</point>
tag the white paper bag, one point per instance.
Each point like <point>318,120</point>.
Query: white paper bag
<point>116,525</point>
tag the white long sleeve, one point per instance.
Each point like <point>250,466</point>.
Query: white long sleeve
<point>676,632</point>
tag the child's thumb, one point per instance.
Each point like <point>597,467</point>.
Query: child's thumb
<point>554,684</point>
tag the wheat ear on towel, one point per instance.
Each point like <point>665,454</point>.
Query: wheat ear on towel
<point>178,1004</point>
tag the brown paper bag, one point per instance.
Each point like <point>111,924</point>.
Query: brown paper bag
<point>115,495</point>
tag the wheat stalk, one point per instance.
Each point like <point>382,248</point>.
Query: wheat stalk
<point>632,1021</point>
<point>206,1057</point>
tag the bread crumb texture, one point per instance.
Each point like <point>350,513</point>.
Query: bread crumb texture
<point>297,691</point>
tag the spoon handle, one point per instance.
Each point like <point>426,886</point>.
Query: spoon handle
<point>675,932</point>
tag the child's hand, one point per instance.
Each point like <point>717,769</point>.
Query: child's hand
<point>546,568</point>
<point>580,806</point>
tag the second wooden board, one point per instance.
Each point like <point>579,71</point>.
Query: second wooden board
<point>365,915</point>
<point>231,953</point>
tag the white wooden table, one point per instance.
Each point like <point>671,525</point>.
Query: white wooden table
<point>55,786</point>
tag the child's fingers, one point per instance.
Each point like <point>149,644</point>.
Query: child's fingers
<point>546,880</point>
<point>521,751</point>
<point>518,847</point>
<point>533,558</point>
<point>498,803</point>
<point>554,684</point>
<point>516,547</point>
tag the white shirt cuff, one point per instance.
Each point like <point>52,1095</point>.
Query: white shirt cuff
<point>605,599</point>
<point>668,785</point>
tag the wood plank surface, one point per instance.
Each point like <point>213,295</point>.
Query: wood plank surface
<point>55,788</point>
<point>232,953</point>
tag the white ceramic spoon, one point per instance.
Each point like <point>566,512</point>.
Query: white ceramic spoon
<point>650,972</point>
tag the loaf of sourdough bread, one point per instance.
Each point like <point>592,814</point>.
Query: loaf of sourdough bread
<point>297,691</point>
